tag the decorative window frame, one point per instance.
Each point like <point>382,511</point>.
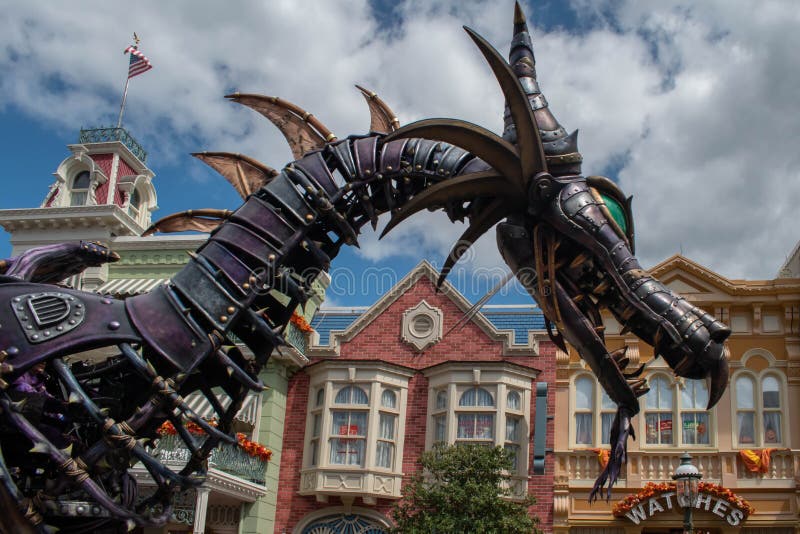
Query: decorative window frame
<point>368,480</point>
<point>774,370</point>
<point>330,511</point>
<point>677,410</point>
<point>597,410</point>
<point>455,378</point>
<point>428,336</point>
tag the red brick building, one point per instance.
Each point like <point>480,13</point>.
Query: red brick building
<point>385,383</point>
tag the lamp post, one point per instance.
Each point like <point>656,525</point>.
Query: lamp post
<point>687,480</point>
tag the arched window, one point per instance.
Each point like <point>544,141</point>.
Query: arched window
<point>387,428</point>
<point>746,410</point>
<point>771,407</point>
<point>351,395</point>
<point>608,409</point>
<point>79,192</point>
<point>759,403</point>
<point>513,401</point>
<point>584,411</point>
<point>476,426</point>
<point>658,412</point>
<point>695,428</point>
<point>349,427</point>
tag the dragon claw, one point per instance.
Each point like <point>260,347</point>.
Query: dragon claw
<point>620,430</point>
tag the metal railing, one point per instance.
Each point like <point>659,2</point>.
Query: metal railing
<point>228,458</point>
<point>296,338</point>
<point>103,135</point>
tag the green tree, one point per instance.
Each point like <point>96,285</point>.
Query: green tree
<point>462,489</point>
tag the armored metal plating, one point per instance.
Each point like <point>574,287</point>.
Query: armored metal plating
<point>71,430</point>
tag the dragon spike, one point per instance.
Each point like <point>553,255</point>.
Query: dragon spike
<point>531,152</point>
<point>479,225</point>
<point>245,174</point>
<point>460,188</point>
<point>488,146</point>
<point>202,220</point>
<point>560,149</point>
<point>302,130</point>
<point>382,118</point>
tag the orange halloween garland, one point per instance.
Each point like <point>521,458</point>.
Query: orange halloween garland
<point>253,448</point>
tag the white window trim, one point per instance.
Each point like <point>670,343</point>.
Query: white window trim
<point>758,377</point>
<point>597,412</point>
<point>677,421</point>
<point>498,378</point>
<point>372,480</point>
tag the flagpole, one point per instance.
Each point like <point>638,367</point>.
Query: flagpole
<point>127,81</point>
<point>122,107</point>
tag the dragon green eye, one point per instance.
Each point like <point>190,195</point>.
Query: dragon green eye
<point>617,212</point>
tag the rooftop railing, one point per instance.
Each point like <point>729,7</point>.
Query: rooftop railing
<point>103,135</point>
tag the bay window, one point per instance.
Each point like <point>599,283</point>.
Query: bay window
<point>487,404</point>
<point>354,428</point>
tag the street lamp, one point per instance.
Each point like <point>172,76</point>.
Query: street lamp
<point>687,481</point>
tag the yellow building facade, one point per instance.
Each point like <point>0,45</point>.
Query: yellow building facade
<point>749,443</point>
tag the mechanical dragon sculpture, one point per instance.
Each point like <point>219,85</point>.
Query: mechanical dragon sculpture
<point>70,431</point>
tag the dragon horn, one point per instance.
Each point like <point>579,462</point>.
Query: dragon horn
<point>302,130</point>
<point>561,150</point>
<point>382,118</point>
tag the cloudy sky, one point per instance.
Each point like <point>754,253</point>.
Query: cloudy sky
<point>691,107</point>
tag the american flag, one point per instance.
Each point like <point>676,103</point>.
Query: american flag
<point>139,62</point>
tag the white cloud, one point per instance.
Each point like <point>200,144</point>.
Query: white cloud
<point>696,103</point>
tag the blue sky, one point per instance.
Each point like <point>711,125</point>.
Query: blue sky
<point>692,108</point>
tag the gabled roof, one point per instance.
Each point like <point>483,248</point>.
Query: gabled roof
<point>704,280</point>
<point>514,330</point>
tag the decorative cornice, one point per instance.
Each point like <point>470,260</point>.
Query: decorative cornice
<point>105,215</point>
<point>217,481</point>
<point>731,287</point>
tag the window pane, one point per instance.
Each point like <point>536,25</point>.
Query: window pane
<point>605,401</point>
<point>695,428</point>
<point>514,450</point>
<point>694,395</point>
<point>771,392</point>
<point>315,429</point>
<point>388,399</point>
<point>513,401</point>
<point>606,419</point>
<point>484,426</point>
<point>314,452</point>
<point>512,428</point>
<point>584,393</point>
<point>583,428</point>
<point>476,397</point>
<point>745,400</point>
<point>78,198</point>
<point>320,396</point>
<point>441,400</point>
<point>746,423</point>
<point>658,428</point>
<point>772,427</point>
<point>81,180</point>
<point>384,454</point>
<point>439,428</point>
<point>476,426</point>
<point>347,451</point>
<point>351,395</point>
<point>349,424</point>
<point>135,199</point>
<point>386,430</point>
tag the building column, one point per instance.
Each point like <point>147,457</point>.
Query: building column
<point>200,509</point>
<point>259,517</point>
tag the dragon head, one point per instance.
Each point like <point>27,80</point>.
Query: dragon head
<point>568,238</point>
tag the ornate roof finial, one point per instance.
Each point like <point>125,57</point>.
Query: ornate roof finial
<point>561,150</point>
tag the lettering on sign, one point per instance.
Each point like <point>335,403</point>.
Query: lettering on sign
<point>668,501</point>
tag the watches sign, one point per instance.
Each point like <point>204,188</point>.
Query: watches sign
<point>656,498</point>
